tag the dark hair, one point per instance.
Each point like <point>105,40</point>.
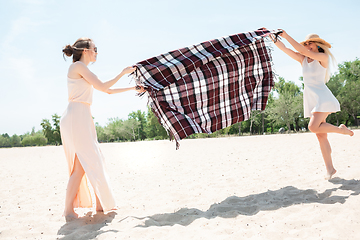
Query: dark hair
<point>77,48</point>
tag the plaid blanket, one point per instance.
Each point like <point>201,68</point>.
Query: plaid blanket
<point>208,86</point>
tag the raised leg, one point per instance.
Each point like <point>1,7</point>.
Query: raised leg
<point>318,124</point>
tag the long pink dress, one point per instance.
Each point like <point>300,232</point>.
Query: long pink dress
<point>79,138</point>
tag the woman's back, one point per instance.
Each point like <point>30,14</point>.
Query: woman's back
<point>79,90</point>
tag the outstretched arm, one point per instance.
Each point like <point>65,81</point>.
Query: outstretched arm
<point>91,78</point>
<point>321,57</point>
<point>294,55</point>
<point>120,90</point>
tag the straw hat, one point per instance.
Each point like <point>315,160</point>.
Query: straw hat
<point>315,38</point>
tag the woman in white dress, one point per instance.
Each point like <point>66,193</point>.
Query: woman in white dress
<point>315,57</point>
<point>83,154</point>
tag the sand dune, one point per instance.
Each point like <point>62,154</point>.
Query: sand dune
<point>257,187</point>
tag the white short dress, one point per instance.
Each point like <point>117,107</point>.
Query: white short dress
<point>317,96</point>
<point>79,138</point>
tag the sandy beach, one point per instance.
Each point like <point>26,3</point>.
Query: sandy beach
<point>257,187</point>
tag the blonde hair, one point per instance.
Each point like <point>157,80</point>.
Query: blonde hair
<point>332,60</point>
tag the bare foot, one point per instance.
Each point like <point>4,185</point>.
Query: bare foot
<point>329,175</point>
<point>70,217</point>
<point>346,130</point>
<point>99,210</point>
<point>112,209</point>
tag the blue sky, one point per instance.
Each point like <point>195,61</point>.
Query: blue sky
<point>33,32</point>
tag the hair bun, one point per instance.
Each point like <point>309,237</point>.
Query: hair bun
<point>68,50</point>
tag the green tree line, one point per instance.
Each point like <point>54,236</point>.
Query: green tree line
<point>284,110</point>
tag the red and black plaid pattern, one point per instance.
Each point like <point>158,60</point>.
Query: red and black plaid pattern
<point>208,86</point>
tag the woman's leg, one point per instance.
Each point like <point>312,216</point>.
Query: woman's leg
<point>318,124</point>
<point>99,208</point>
<point>326,153</point>
<point>72,188</point>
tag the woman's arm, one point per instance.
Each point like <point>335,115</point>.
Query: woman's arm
<point>321,57</point>
<point>120,90</point>
<point>91,78</point>
<point>294,55</point>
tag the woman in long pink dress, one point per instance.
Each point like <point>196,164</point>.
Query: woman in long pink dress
<point>83,154</point>
<point>315,57</point>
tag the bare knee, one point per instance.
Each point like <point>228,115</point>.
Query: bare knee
<point>321,136</point>
<point>78,173</point>
<point>78,170</point>
<point>313,128</point>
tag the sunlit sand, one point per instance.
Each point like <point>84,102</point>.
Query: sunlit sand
<point>256,187</point>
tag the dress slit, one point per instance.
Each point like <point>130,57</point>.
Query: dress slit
<point>83,196</point>
<point>78,134</point>
<point>79,140</point>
